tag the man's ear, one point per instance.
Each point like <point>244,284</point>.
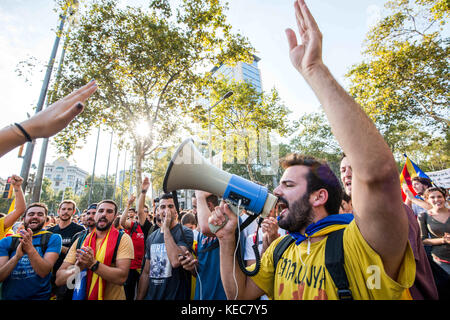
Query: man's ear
<point>319,198</point>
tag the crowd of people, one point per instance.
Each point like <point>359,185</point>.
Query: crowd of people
<point>325,239</point>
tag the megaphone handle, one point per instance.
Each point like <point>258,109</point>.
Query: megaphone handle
<point>233,208</point>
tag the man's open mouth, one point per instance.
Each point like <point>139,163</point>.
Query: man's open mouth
<point>282,207</point>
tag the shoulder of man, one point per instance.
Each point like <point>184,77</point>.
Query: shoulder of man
<point>54,229</point>
<point>5,243</point>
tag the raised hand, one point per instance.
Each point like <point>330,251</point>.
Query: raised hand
<point>307,55</point>
<point>56,117</point>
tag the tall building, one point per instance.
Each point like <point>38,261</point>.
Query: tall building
<point>63,175</point>
<point>242,71</point>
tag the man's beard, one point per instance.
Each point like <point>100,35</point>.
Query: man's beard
<point>300,215</point>
<point>105,227</point>
<point>35,228</point>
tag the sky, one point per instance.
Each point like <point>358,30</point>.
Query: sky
<point>27,30</point>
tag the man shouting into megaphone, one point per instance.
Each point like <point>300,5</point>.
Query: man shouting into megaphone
<point>327,255</point>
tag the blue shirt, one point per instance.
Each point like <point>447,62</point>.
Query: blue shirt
<point>23,283</point>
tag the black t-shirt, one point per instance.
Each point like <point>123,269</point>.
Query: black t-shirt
<point>165,282</point>
<point>66,234</point>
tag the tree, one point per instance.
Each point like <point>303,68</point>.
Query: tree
<point>314,137</point>
<point>403,81</point>
<point>243,122</point>
<point>149,66</point>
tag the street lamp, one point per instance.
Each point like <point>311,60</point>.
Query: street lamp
<point>30,147</point>
<point>225,96</point>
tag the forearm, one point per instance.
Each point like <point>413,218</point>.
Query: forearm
<point>19,208</point>
<point>41,266</point>
<point>140,207</point>
<point>203,215</point>
<point>63,274</point>
<point>10,138</point>
<point>421,203</point>
<point>8,267</point>
<point>434,241</point>
<point>229,270</point>
<point>124,217</point>
<point>362,141</point>
<point>172,249</point>
<point>114,275</point>
<point>142,286</point>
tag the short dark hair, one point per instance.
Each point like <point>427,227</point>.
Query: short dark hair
<point>320,176</point>
<point>110,202</point>
<point>37,204</point>
<point>188,217</point>
<point>166,196</point>
<point>425,181</point>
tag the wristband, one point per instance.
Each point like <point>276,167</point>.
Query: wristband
<point>26,135</point>
<point>144,191</point>
<point>95,266</point>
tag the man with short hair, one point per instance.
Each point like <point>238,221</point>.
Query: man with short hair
<point>163,277</point>
<point>67,229</point>
<point>374,241</point>
<point>25,269</point>
<point>133,228</point>
<point>104,253</point>
<point>419,185</point>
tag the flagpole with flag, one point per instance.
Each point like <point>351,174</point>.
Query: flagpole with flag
<point>410,170</point>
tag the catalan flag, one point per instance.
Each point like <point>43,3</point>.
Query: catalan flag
<point>410,170</point>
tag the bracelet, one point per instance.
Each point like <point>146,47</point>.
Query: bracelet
<point>144,191</point>
<point>27,136</point>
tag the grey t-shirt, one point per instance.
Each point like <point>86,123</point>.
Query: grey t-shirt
<point>167,283</point>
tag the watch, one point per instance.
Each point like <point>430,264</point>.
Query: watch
<point>95,266</point>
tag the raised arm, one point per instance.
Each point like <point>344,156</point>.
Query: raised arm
<point>203,212</point>
<point>123,219</point>
<point>376,195</point>
<point>141,201</point>
<point>20,205</point>
<point>47,122</point>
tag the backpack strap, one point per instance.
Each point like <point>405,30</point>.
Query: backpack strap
<point>334,262</point>
<point>121,232</point>
<point>81,238</point>
<point>45,238</point>
<point>280,249</point>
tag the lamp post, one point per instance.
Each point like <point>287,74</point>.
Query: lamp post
<point>40,172</point>
<point>25,170</point>
<point>225,96</point>
<point>93,170</point>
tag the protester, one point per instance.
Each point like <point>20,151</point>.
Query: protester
<point>105,253</point>
<point>142,209</point>
<point>27,259</point>
<point>67,229</point>
<point>424,287</point>
<point>133,229</point>
<point>189,221</point>
<point>435,227</point>
<point>310,196</point>
<point>416,202</point>
<point>8,220</point>
<point>208,285</point>
<point>163,277</point>
<point>47,122</point>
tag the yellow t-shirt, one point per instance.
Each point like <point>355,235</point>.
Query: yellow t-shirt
<point>124,251</point>
<point>302,276</point>
<point>2,228</point>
